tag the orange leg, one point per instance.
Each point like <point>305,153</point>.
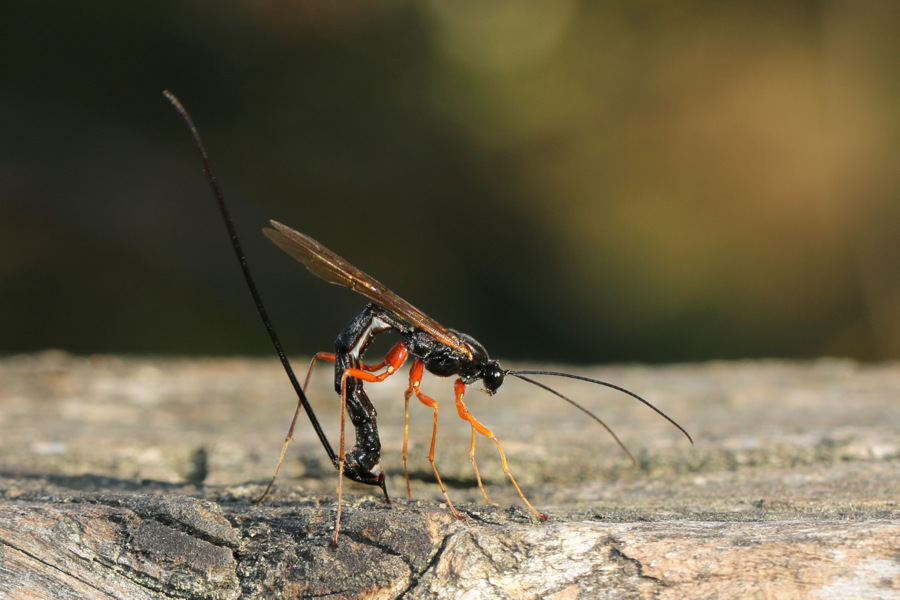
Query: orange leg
<point>391,360</point>
<point>394,360</point>
<point>406,396</point>
<point>475,464</point>
<point>464,413</point>
<point>415,380</point>
<point>329,357</point>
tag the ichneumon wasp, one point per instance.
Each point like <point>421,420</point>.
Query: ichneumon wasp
<point>439,350</point>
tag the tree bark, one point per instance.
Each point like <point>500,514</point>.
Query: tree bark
<point>134,478</point>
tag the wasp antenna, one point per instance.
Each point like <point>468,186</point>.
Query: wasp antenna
<point>605,384</point>
<point>582,409</point>
<point>245,269</point>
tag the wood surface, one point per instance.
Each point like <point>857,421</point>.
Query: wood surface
<point>132,478</point>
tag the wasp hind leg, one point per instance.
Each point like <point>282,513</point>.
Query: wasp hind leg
<point>328,356</point>
<point>393,361</point>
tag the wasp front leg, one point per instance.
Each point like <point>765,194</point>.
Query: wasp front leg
<point>464,414</point>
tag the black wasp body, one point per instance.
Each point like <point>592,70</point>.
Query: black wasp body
<point>442,351</point>
<point>363,461</point>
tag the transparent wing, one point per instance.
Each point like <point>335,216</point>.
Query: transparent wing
<point>327,265</point>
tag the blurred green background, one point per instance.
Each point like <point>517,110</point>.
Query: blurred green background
<point>572,181</point>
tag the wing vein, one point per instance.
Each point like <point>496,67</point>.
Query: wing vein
<point>330,267</point>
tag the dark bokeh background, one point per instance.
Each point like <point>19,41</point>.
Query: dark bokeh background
<point>565,180</point>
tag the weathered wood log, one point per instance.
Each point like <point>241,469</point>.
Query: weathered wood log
<point>133,478</point>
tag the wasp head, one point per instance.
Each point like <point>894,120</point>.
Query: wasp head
<point>480,366</point>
